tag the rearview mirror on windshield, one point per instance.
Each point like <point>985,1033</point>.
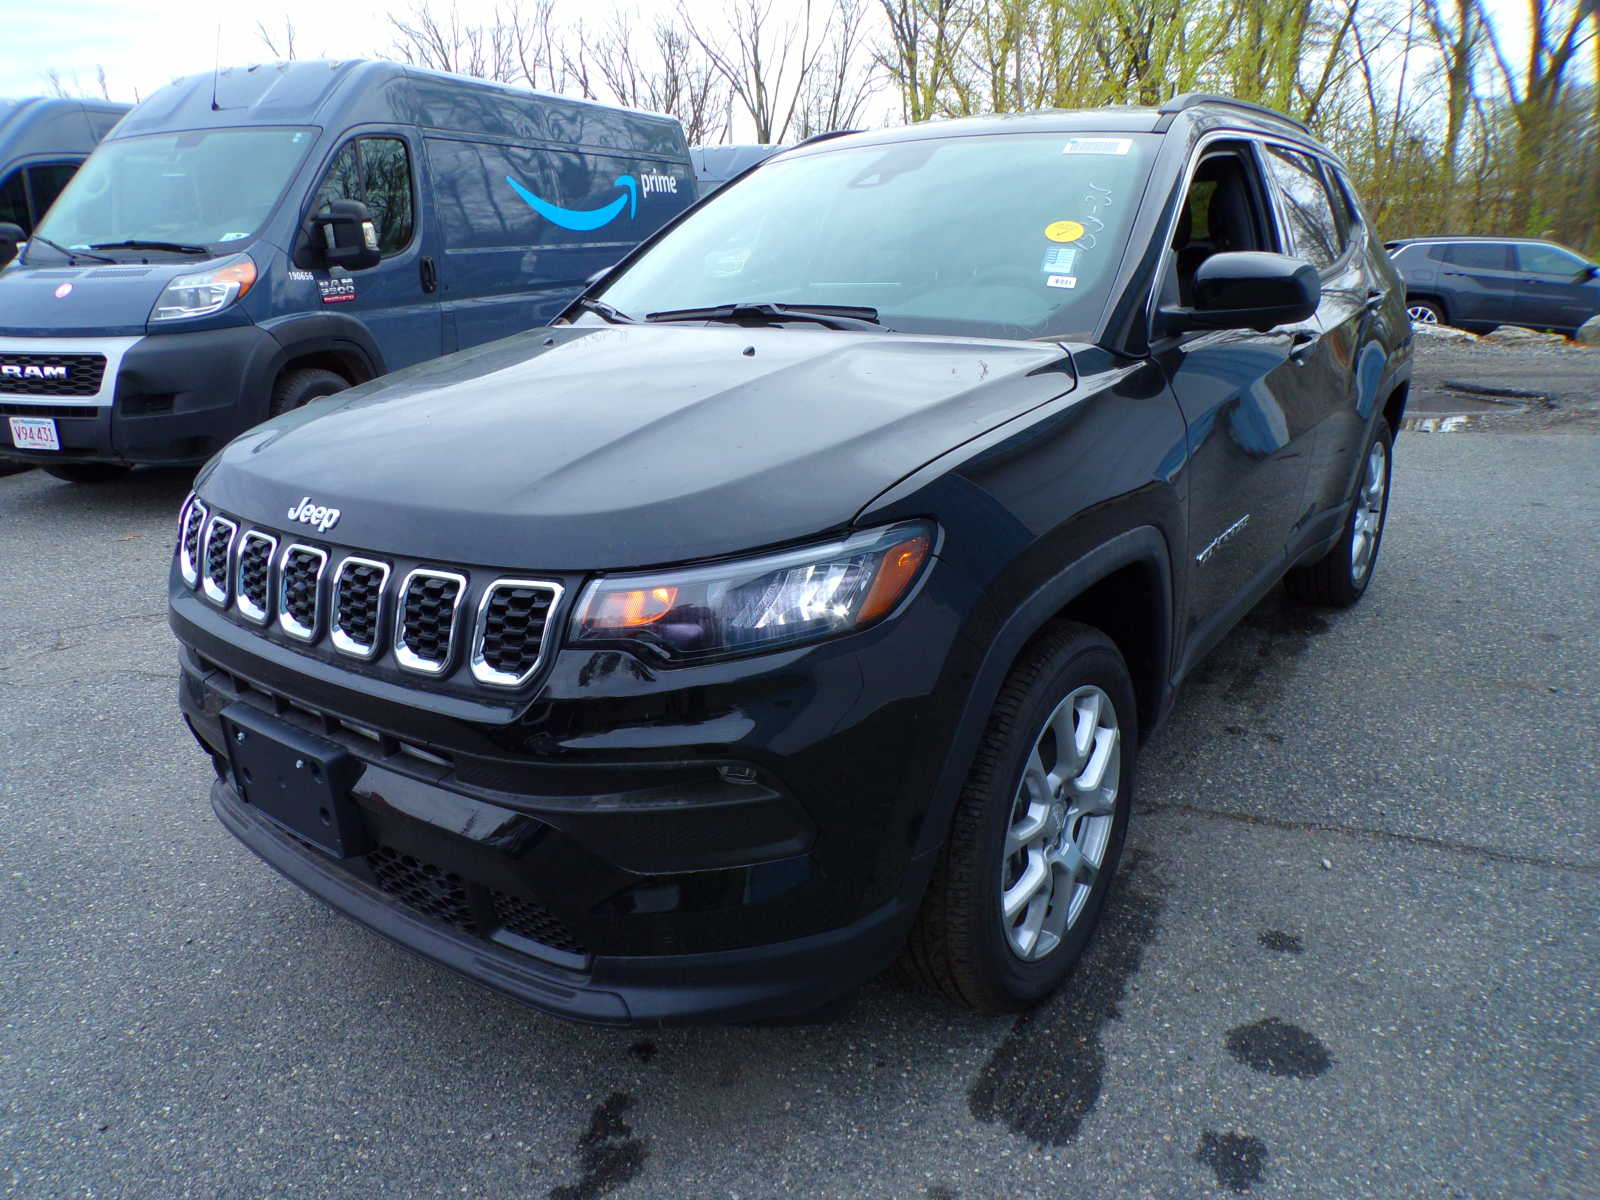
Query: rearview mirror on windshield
<point>1248,289</point>
<point>345,235</point>
<point>11,236</point>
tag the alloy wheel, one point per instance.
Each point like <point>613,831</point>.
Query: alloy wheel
<point>1422,314</point>
<point>1060,822</point>
<point>1367,520</point>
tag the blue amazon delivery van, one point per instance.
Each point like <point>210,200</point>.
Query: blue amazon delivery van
<point>247,241</point>
<point>43,142</point>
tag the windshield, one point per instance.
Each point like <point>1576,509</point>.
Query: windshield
<point>203,188</point>
<point>1010,235</point>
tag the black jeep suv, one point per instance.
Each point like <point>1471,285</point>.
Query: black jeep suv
<point>802,596</point>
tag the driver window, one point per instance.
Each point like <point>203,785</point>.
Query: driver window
<point>1221,213</point>
<point>377,172</point>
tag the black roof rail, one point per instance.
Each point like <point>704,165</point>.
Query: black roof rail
<point>1190,100</point>
<point>822,137</point>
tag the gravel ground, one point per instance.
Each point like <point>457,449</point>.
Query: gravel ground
<point>1353,953</point>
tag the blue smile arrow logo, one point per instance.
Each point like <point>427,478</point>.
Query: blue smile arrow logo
<point>580,220</point>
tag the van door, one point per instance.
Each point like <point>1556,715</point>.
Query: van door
<point>524,227</point>
<point>397,300</point>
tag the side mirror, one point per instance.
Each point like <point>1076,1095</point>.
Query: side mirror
<point>1248,289</point>
<point>11,237</point>
<point>344,235</point>
<point>1592,271</point>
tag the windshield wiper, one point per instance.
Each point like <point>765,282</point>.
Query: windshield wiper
<point>601,309</point>
<point>72,255</point>
<point>834,316</point>
<point>136,244</point>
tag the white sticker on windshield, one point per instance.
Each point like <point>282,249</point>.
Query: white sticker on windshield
<point>1058,260</point>
<point>1098,145</point>
<point>1061,281</point>
<point>232,237</point>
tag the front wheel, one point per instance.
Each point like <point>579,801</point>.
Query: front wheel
<point>1340,577</point>
<point>299,388</point>
<point>1037,831</point>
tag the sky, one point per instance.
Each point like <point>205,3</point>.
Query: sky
<point>142,45</point>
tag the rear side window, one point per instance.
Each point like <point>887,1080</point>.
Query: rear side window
<point>1313,228</point>
<point>1548,260</point>
<point>1344,201</point>
<point>46,183</point>
<point>14,202</point>
<point>1483,256</point>
<point>377,172</point>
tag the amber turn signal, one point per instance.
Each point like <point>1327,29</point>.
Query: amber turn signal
<point>895,574</point>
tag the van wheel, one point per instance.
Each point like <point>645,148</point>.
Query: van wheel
<point>298,388</point>
<point>88,472</point>
<point>1037,831</point>
<point>1340,577</point>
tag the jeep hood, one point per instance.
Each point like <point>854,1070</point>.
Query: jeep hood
<point>593,448</point>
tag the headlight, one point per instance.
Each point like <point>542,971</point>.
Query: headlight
<point>205,292</point>
<point>758,604</point>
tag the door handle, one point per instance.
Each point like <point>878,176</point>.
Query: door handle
<point>430,274</point>
<point>1302,346</point>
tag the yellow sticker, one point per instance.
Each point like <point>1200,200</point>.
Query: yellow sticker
<point>1063,231</point>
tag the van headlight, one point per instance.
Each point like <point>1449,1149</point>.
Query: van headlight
<point>204,292</point>
<point>757,604</point>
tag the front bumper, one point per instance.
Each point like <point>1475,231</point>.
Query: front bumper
<point>786,978</point>
<point>173,399</point>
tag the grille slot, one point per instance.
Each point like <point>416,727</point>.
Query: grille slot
<point>253,576</point>
<point>78,412</point>
<point>512,620</point>
<point>424,887</point>
<point>358,606</point>
<point>424,632</point>
<point>533,921</point>
<point>300,590</point>
<point>194,520</point>
<point>218,552</point>
<point>51,374</point>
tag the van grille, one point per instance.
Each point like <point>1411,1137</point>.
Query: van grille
<point>51,374</point>
<point>351,605</point>
<point>524,918</point>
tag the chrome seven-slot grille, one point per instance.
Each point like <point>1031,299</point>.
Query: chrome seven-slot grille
<point>347,599</point>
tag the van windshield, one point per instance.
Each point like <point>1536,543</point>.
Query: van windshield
<point>199,187</point>
<point>1011,235</point>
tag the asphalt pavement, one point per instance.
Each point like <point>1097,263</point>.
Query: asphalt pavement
<point>1353,953</point>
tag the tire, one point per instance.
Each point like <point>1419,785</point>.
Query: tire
<point>1339,578</point>
<point>295,389</point>
<point>87,472</point>
<point>1426,312</point>
<point>962,946</point>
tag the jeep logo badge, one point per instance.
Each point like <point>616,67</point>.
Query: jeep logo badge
<point>317,516</point>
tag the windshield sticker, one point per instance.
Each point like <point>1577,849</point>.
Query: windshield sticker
<point>337,291</point>
<point>1063,231</point>
<point>1058,260</point>
<point>1061,281</point>
<point>1097,145</point>
<point>232,237</point>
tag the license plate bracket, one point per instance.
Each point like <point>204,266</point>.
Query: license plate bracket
<point>299,780</point>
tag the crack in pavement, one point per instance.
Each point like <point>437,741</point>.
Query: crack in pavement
<point>1381,835</point>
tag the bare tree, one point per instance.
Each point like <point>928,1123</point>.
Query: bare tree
<point>769,63</point>
<point>281,48</point>
<point>846,75</point>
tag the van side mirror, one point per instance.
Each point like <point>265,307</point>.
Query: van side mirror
<point>11,237</point>
<point>1248,289</point>
<point>344,235</point>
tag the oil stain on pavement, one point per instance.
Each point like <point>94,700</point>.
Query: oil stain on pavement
<point>1283,943</point>
<point>609,1156</point>
<point>1237,1159</point>
<point>1276,1047</point>
<point>1046,1075</point>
